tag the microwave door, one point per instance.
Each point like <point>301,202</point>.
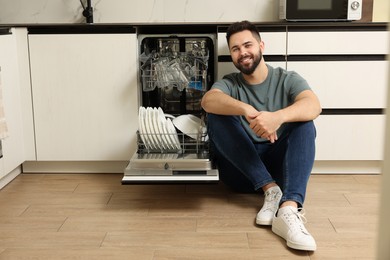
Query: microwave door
<point>316,10</point>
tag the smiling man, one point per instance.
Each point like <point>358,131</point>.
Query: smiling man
<point>260,124</point>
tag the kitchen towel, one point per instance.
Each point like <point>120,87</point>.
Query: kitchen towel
<point>3,123</point>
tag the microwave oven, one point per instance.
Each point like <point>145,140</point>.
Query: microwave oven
<point>320,10</point>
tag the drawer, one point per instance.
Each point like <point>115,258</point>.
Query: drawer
<point>350,137</point>
<point>228,67</point>
<point>346,84</point>
<point>275,43</point>
<point>342,42</point>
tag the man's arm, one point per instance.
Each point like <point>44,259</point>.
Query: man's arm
<point>306,107</point>
<point>217,102</point>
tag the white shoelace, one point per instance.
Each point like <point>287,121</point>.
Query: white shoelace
<point>296,220</point>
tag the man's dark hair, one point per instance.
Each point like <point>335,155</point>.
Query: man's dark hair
<point>242,26</point>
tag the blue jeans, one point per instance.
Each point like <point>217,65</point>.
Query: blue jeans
<point>246,166</point>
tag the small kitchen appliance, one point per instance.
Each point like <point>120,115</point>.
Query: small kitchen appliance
<point>320,10</point>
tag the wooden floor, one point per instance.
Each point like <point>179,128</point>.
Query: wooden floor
<point>93,216</point>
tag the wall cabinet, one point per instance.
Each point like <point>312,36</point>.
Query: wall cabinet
<point>85,96</point>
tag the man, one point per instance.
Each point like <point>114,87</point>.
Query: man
<point>260,125</point>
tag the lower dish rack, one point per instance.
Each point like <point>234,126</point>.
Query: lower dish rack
<point>189,161</point>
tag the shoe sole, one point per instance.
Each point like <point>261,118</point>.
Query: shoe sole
<point>292,244</point>
<point>263,222</point>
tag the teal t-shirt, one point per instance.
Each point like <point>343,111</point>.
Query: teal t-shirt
<point>278,91</point>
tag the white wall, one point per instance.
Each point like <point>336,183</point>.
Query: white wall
<point>380,13</point>
<point>145,11</point>
<point>151,11</point>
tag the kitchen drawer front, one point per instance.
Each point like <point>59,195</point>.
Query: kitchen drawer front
<point>275,43</point>
<point>228,67</point>
<point>350,137</point>
<point>341,42</point>
<point>346,84</point>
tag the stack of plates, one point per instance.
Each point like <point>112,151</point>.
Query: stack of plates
<point>156,131</point>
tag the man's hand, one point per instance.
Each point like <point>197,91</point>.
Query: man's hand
<point>265,124</point>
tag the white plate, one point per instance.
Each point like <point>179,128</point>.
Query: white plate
<point>157,129</point>
<point>149,129</point>
<point>145,130</point>
<point>173,134</point>
<point>170,143</point>
<point>161,124</point>
<point>141,126</point>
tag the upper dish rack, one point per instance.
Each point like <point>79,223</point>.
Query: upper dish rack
<point>168,67</point>
<point>181,71</point>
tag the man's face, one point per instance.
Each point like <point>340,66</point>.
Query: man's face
<point>246,51</point>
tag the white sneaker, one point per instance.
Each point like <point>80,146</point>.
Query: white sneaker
<point>270,206</point>
<point>289,224</point>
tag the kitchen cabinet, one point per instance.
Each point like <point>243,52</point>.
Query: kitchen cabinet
<point>13,147</point>
<point>346,66</point>
<point>228,67</point>
<point>350,137</point>
<point>274,42</point>
<point>347,69</point>
<point>322,40</point>
<point>346,84</point>
<point>85,95</point>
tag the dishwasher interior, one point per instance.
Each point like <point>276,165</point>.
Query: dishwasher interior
<point>174,73</point>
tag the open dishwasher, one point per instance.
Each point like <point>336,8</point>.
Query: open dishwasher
<point>172,142</point>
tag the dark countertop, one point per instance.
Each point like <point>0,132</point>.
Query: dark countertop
<point>148,28</point>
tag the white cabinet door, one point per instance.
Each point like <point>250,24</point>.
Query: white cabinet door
<point>13,148</point>
<point>347,71</point>
<point>350,137</point>
<point>228,67</point>
<point>275,43</point>
<point>346,84</point>
<point>341,42</point>
<point>85,96</point>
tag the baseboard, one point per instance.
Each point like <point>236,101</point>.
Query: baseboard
<point>74,167</point>
<point>347,167</point>
<point>10,176</point>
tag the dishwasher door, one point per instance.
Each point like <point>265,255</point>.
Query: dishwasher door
<point>191,163</point>
<point>169,168</point>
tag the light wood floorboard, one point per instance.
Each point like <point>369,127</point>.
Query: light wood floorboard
<point>93,216</point>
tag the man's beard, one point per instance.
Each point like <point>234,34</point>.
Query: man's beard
<point>252,68</point>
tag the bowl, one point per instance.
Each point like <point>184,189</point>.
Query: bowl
<point>189,125</point>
